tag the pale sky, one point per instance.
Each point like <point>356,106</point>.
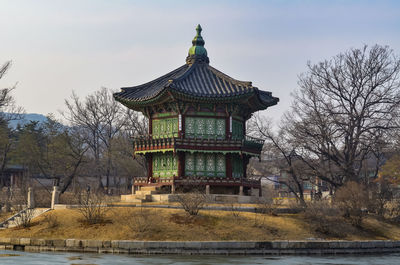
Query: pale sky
<point>60,46</point>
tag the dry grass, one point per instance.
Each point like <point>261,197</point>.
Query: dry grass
<point>5,216</point>
<point>175,225</point>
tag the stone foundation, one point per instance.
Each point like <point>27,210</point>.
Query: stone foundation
<point>201,248</point>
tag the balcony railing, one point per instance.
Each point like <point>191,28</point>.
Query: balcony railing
<point>207,142</point>
<point>197,180</point>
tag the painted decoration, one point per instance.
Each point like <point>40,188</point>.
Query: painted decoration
<point>165,165</point>
<point>205,164</point>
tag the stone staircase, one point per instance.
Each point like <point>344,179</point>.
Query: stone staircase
<point>140,196</point>
<point>15,220</point>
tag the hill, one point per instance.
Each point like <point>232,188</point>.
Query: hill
<point>26,118</point>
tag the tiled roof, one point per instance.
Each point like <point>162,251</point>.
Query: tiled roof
<point>197,79</point>
<point>150,89</point>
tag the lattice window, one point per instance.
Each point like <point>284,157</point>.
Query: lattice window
<point>201,127</point>
<point>200,164</point>
<point>168,162</point>
<point>164,165</point>
<point>200,168</point>
<point>156,127</point>
<point>165,127</point>
<point>189,126</point>
<point>220,165</point>
<point>162,127</point>
<point>168,124</point>
<point>210,127</point>
<point>189,164</point>
<point>220,130</point>
<point>155,163</point>
<point>210,161</point>
<point>175,127</point>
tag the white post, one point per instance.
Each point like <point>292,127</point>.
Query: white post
<point>54,196</point>
<point>241,191</point>
<point>31,199</point>
<point>207,189</point>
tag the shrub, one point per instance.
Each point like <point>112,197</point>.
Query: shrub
<point>381,197</point>
<point>235,211</point>
<point>323,217</point>
<point>25,215</point>
<point>93,207</point>
<point>352,201</point>
<point>51,220</point>
<point>269,206</point>
<point>192,202</point>
<point>140,220</point>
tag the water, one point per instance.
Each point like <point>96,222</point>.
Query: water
<point>53,258</point>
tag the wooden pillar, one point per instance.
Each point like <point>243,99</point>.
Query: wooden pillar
<point>181,164</point>
<point>228,165</point>
<point>245,160</point>
<point>207,189</point>
<point>150,126</point>
<point>150,166</point>
<point>227,127</point>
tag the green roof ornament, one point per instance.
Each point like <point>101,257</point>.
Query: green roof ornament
<point>197,52</point>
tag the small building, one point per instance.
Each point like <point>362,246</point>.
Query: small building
<point>13,176</point>
<point>197,125</point>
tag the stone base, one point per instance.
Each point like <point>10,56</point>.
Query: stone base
<point>202,247</point>
<point>212,198</point>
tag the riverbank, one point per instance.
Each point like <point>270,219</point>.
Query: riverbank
<point>201,247</point>
<point>174,225</point>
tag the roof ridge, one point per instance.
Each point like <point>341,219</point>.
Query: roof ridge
<point>157,79</point>
<point>225,76</point>
<point>185,74</point>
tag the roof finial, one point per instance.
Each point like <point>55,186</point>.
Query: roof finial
<point>197,52</point>
<point>198,29</point>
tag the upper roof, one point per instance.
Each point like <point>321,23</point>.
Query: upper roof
<point>195,79</point>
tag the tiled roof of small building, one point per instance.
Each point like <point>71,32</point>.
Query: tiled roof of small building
<point>197,79</point>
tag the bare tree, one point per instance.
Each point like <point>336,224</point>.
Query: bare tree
<point>343,109</point>
<point>8,109</point>
<point>102,120</point>
<point>281,151</point>
<point>86,115</point>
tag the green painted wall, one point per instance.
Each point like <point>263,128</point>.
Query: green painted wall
<point>165,127</point>
<point>237,166</point>
<point>196,127</point>
<point>237,129</point>
<point>165,165</point>
<point>205,164</point>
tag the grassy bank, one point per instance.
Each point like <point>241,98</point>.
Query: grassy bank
<point>171,224</point>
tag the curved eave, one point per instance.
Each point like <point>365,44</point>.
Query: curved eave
<point>258,100</point>
<point>266,99</point>
<point>170,93</point>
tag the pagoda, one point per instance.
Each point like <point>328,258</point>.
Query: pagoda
<point>197,126</point>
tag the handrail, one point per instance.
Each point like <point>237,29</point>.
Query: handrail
<point>195,136</point>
